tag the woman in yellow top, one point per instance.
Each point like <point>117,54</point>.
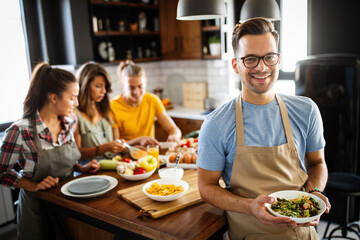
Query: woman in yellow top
<point>134,111</point>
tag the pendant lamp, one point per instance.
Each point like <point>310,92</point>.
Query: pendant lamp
<point>200,9</point>
<point>260,8</point>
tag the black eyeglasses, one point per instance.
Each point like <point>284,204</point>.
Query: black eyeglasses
<point>270,59</point>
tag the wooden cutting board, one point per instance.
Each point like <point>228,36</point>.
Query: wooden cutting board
<point>135,196</point>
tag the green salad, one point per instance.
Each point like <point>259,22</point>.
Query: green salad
<point>301,207</point>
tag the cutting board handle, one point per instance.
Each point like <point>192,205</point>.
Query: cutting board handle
<point>146,213</point>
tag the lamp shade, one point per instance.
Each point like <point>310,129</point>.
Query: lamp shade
<point>260,8</point>
<point>200,9</point>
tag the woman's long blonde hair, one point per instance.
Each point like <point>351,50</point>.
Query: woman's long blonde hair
<point>130,69</point>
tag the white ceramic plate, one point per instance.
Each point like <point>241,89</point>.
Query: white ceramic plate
<point>295,194</point>
<point>176,182</point>
<point>88,186</point>
<point>103,50</point>
<point>113,182</point>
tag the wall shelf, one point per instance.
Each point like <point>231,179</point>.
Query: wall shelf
<point>130,29</point>
<point>126,33</point>
<point>211,28</point>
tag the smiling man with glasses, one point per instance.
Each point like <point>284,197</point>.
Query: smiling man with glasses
<point>269,59</point>
<point>260,143</point>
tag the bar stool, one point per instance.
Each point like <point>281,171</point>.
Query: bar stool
<point>348,185</point>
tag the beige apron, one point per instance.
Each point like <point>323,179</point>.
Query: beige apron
<point>56,162</point>
<point>263,170</point>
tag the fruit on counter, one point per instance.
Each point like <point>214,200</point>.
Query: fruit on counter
<point>194,158</point>
<point>166,101</point>
<point>139,170</point>
<point>186,158</point>
<point>172,158</point>
<point>149,163</point>
<point>108,164</point>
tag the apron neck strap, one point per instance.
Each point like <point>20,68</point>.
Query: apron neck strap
<point>285,119</point>
<point>240,122</point>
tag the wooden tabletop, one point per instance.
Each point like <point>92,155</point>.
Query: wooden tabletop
<point>195,222</point>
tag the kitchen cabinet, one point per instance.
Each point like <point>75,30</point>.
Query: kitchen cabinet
<point>185,125</point>
<point>179,39</point>
<point>125,30</point>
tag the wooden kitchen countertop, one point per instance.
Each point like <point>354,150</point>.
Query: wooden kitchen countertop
<point>195,222</point>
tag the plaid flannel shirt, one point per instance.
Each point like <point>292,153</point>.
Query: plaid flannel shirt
<point>18,146</point>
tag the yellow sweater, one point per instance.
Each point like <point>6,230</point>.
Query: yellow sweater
<point>136,121</point>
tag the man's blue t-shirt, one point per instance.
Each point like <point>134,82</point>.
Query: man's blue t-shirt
<point>263,128</point>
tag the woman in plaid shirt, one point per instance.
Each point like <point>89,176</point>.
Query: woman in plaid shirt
<point>41,144</point>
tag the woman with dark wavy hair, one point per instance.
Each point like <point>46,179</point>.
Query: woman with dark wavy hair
<point>94,134</point>
<point>42,144</point>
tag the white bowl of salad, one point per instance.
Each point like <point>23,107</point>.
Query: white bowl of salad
<point>300,207</point>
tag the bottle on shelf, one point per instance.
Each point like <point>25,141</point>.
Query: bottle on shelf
<point>95,24</point>
<point>140,54</point>
<point>153,50</point>
<point>129,55</point>
<point>122,26</point>
<point>100,25</point>
<point>142,22</point>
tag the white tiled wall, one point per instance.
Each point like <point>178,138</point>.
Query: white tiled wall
<point>214,72</point>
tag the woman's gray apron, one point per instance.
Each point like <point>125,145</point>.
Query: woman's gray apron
<point>56,162</point>
<point>94,135</point>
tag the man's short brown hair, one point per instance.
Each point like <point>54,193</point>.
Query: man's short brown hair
<point>253,26</point>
